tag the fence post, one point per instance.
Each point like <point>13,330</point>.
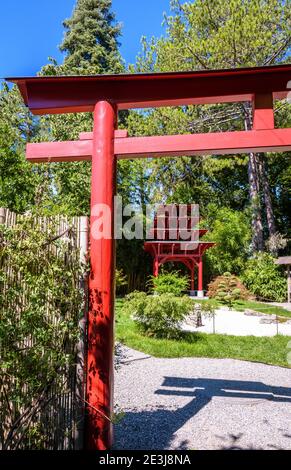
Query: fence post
<point>2,215</point>
<point>81,347</point>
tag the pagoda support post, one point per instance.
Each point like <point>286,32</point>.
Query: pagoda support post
<point>200,292</point>
<point>192,284</point>
<point>192,276</point>
<point>100,332</point>
<point>156,267</point>
<point>288,284</point>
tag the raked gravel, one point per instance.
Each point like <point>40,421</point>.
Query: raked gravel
<point>199,403</point>
<point>232,322</point>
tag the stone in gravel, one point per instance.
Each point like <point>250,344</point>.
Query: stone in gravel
<point>253,313</point>
<point>269,319</point>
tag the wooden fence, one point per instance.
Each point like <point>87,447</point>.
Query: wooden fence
<point>62,419</point>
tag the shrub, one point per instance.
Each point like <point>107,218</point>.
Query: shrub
<point>231,231</point>
<point>158,315</point>
<point>264,278</point>
<point>40,306</point>
<point>227,288</point>
<point>120,279</point>
<point>170,283</point>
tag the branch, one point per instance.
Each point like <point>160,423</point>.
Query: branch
<point>94,408</point>
<point>278,52</point>
<point>201,61</point>
<point>53,239</point>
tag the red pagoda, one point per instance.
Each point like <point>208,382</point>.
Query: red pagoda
<point>175,237</point>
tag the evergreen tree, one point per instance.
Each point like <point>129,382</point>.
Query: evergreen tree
<point>90,45</point>
<point>91,39</point>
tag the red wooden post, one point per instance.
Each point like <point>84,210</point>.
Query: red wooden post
<point>263,112</point>
<point>200,276</point>
<point>156,267</point>
<point>192,277</point>
<point>101,282</point>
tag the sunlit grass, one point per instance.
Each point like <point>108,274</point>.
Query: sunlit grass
<point>269,350</point>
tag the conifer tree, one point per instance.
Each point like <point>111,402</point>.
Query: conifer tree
<point>90,46</point>
<point>90,43</point>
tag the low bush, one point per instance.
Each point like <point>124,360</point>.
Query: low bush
<point>120,280</point>
<point>170,283</point>
<point>264,278</point>
<point>158,315</point>
<point>40,306</point>
<point>227,288</point>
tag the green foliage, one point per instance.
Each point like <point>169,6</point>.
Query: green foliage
<point>207,35</point>
<point>231,231</point>
<point>227,290</point>
<point>208,308</point>
<point>120,279</point>
<point>41,302</point>
<point>170,283</point>
<point>217,34</point>
<point>264,278</point>
<point>90,45</point>
<point>91,39</point>
<point>20,181</point>
<point>158,315</point>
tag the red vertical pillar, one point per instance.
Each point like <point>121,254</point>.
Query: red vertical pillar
<point>101,282</point>
<point>200,274</point>
<point>156,267</point>
<point>192,276</point>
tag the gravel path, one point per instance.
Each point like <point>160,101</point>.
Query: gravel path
<point>193,403</point>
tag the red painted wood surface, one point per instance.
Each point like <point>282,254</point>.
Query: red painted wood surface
<point>46,95</point>
<point>212,143</point>
<point>263,112</point>
<point>118,134</point>
<point>101,283</point>
<point>200,274</point>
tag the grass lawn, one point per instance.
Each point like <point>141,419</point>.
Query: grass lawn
<point>269,350</point>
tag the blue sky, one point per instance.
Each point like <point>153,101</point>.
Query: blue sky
<point>31,30</point>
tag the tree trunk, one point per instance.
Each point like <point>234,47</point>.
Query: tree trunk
<point>257,225</point>
<point>267,195</point>
<point>254,193</point>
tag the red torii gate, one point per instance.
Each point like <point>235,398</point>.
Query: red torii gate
<point>104,95</point>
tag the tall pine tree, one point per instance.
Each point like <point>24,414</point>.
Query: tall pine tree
<point>90,46</point>
<point>91,39</point>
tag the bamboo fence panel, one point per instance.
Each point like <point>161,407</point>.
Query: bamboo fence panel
<point>62,419</point>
